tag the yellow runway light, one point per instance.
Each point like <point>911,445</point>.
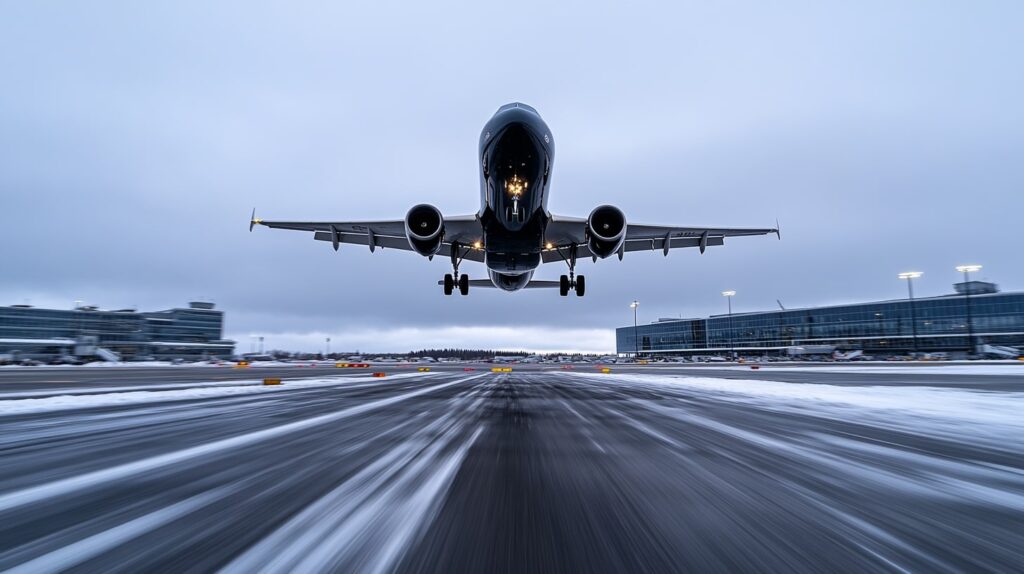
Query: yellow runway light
<point>606,370</point>
<point>501,369</point>
<point>424,369</point>
<point>271,381</point>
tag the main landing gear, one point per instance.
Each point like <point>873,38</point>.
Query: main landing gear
<point>572,281</point>
<point>451,280</point>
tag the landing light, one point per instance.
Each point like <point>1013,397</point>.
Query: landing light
<point>476,245</point>
<point>548,246</point>
<point>515,187</point>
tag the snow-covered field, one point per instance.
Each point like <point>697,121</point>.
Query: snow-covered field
<point>992,417</point>
<point>14,403</point>
<point>1009,368</point>
<point>113,364</point>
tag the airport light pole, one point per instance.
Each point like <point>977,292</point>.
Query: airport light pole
<point>910,276</point>
<point>636,341</point>
<point>966,270</point>
<point>728,296</point>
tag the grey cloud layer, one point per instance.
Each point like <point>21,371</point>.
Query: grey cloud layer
<point>136,139</point>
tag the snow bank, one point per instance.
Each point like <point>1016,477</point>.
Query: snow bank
<point>1015,368</point>
<point>200,391</point>
<point>992,416</point>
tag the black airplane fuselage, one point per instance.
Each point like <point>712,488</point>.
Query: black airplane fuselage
<point>516,156</point>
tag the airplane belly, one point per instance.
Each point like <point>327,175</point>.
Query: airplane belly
<point>512,263</point>
<point>507,282</point>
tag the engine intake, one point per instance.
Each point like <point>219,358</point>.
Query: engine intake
<point>606,230</point>
<point>424,228</point>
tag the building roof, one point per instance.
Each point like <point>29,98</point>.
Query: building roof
<point>885,302</point>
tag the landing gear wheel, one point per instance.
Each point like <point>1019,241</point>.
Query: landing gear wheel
<point>581,285</point>
<point>563,285</point>
<point>464,284</point>
<point>449,284</point>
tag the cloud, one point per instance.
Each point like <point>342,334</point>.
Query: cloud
<point>136,141</point>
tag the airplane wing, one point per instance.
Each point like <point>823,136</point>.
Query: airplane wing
<point>562,232</point>
<point>389,234</point>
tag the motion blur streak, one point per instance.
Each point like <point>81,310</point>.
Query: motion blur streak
<point>527,471</point>
<point>71,484</point>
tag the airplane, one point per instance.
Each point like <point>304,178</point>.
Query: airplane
<point>513,233</point>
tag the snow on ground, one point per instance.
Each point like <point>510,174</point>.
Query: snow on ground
<point>1014,368</point>
<point>112,364</point>
<point>994,417</point>
<point>70,401</point>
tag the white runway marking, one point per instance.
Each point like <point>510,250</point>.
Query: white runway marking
<point>72,484</point>
<point>127,388</point>
<point>372,518</point>
<point>92,546</point>
<point>89,398</point>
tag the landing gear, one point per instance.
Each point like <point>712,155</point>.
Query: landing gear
<point>568,283</point>
<point>453,279</point>
<point>572,281</point>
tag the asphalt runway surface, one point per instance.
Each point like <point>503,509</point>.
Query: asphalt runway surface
<point>537,470</point>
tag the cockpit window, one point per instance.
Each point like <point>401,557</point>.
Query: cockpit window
<point>515,173</point>
<point>516,164</point>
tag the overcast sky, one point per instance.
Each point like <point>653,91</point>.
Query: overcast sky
<point>136,138</point>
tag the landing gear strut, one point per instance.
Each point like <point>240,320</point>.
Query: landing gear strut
<point>453,279</point>
<point>572,281</point>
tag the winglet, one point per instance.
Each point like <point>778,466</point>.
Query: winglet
<point>253,221</point>
<point>778,230</point>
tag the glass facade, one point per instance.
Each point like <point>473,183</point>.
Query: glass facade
<point>881,327</point>
<point>193,332</point>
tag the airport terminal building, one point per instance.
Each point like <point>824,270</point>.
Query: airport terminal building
<point>195,332</point>
<point>976,312</point>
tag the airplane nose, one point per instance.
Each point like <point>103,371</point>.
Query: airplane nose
<point>517,106</point>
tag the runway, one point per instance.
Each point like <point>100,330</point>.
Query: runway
<point>537,470</point>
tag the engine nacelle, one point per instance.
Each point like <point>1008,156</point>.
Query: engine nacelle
<point>424,228</point>
<point>606,230</point>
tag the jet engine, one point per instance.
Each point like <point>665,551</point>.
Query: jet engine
<point>424,228</point>
<point>606,230</point>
